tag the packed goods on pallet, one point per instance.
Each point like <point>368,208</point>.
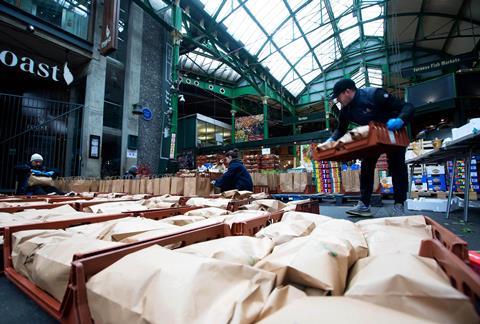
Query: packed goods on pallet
<point>327,176</point>
<point>459,180</point>
<point>252,162</point>
<point>259,276</point>
<point>269,162</point>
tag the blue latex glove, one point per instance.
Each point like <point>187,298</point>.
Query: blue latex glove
<point>395,124</point>
<point>37,172</point>
<point>49,173</point>
<point>329,140</point>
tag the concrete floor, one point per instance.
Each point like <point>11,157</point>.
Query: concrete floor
<point>16,307</point>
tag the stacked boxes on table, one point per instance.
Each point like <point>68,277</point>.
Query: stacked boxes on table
<point>386,184</point>
<point>252,162</point>
<point>269,162</point>
<point>436,178</point>
<point>459,182</point>
<point>327,176</point>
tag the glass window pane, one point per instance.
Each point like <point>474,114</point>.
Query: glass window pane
<point>269,14</point>
<point>374,28</point>
<point>340,6</point>
<point>72,16</point>
<point>349,36</point>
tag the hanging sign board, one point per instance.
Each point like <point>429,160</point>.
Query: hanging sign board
<point>265,151</point>
<point>111,16</point>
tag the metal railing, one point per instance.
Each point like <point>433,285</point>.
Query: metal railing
<point>35,125</point>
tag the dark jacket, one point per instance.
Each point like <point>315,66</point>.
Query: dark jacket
<point>372,104</point>
<point>236,177</point>
<point>23,172</point>
<point>129,175</point>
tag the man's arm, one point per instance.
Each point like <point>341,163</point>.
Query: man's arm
<point>389,102</point>
<point>342,126</point>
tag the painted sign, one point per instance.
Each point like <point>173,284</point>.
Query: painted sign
<point>147,114</point>
<point>111,16</point>
<point>39,69</point>
<point>249,128</point>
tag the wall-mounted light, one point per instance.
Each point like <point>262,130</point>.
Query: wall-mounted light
<point>137,109</point>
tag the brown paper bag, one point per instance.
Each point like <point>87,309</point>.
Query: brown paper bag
<point>237,249</point>
<point>207,212</point>
<point>61,184</point>
<point>311,261</point>
<point>165,185</point>
<point>279,298</point>
<point>259,179</point>
<point>40,181</point>
<point>300,181</point>
<point>108,185</point>
<point>286,182</point>
<point>395,234</point>
<point>117,185</point>
<point>95,185</point>
<point>142,185</point>
<point>204,187</point>
<point>80,185</point>
<point>118,294</point>
<point>345,230</point>
<point>177,186</point>
<point>293,216</point>
<point>190,186</point>
<point>135,186</point>
<point>338,310</point>
<point>52,262</point>
<point>283,232</point>
<point>273,181</point>
<point>410,284</point>
<point>149,186</point>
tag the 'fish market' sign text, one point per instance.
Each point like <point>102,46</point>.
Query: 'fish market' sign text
<point>43,70</point>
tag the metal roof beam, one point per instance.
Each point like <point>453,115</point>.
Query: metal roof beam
<point>454,25</point>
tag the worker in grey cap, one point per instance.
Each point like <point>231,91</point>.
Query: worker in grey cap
<point>361,106</point>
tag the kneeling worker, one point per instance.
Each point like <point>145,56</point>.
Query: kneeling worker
<point>362,106</point>
<point>236,177</point>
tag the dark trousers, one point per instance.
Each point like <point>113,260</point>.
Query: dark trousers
<point>397,169</point>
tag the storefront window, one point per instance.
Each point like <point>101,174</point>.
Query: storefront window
<point>210,134</point>
<point>70,15</point>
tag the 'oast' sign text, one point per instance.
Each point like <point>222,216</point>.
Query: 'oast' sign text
<point>43,70</point>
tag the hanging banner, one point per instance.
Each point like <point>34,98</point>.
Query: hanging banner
<point>111,16</point>
<point>249,128</point>
<point>458,61</point>
<point>306,157</point>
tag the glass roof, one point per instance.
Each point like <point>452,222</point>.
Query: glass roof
<point>202,63</point>
<point>296,40</point>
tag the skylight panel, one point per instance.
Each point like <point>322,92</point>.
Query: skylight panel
<point>295,50</point>
<point>349,36</point>
<point>340,6</point>
<point>375,77</point>
<point>309,77</point>
<point>312,16</point>
<point>374,28</point>
<point>277,65</point>
<point>295,87</point>
<point>211,6</point>
<point>359,78</point>
<point>320,34</point>
<point>371,12</point>
<point>295,4</point>
<point>286,34</point>
<point>266,51</point>
<point>269,14</point>
<point>347,21</point>
<point>327,52</point>
<point>306,64</point>
<point>289,77</point>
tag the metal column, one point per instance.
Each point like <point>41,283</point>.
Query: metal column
<point>177,39</point>
<point>265,117</point>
